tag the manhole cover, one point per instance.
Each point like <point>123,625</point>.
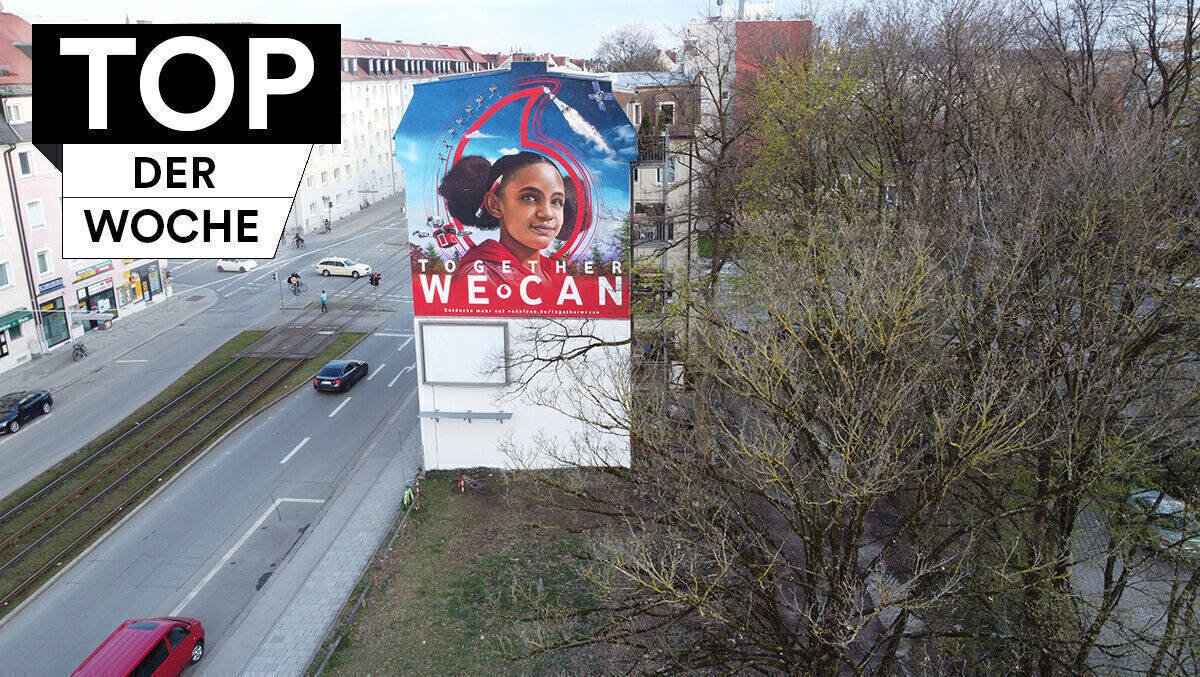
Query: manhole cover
<point>195,297</point>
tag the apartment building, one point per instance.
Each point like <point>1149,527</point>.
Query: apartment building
<point>40,291</point>
<point>377,84</point>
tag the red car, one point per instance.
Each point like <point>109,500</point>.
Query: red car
<point>141,648</point>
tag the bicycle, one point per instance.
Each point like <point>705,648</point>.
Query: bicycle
<point>297,244</point>
<point>78,351</point>
<point>299,288</point>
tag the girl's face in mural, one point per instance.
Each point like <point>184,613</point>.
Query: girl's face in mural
<point>530,205</point>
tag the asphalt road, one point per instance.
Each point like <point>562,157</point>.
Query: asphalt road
<point>208,543</point>
<point>89,407</point>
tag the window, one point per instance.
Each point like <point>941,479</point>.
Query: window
<point>635,113</point>
<point>658,174</point>
<point>152,661</point>
<point>343,119</point>
<point>312,207</point>
<point>35,214</point>
<point>43,262</point>
<point>12,112</point>
<point>321,149</point>
<point>14,332</point>
<point>4,276</point>
<point>337,173</point>
<point>311,181</point>
<point>176,635</point>
<point>339,198</point>
<point>3,345</point>
<point>666,113</point>
<point>324,178</point>
<point>25,162</point>
<point>347,171</point>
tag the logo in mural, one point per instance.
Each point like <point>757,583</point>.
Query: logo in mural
<point>518,195</point>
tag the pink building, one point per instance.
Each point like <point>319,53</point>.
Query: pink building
<point>39,289</point>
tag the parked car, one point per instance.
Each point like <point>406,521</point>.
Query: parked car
<point>17,408</point>
<point>340,375</point>
<point>422,234</point>
<point>240,265</point>
<point>336,265</point>
<point>1171,527</point>
<point>153,646</point>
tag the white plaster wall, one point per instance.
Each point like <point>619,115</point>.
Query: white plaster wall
<point>543,431</point>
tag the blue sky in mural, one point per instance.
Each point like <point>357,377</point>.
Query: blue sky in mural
<point>599,138</point>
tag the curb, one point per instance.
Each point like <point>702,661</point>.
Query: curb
<point>129,350</point>
<point>108,532</point>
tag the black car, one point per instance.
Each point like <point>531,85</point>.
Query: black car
<point>17,408</point>
<point>340,375</point>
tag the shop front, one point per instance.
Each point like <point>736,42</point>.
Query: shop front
<point>98,297</point>
<point>53,317</point>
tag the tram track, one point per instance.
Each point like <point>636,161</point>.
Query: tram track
<point>41,531</point>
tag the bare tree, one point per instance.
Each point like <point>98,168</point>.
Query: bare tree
<point>632,47</point>
<point>964,327</point>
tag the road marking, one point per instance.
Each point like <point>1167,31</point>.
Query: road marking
<point>241,541</point>
<point>377,370</point>
<point>339,407</point>
<point>184,263</point>
<point>380,333</point>
<point>402,373</point>
<point>293,451</point>
<point>129,361</point>
<point>404,344</point>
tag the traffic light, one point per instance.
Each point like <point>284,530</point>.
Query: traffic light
<point>373,280</point>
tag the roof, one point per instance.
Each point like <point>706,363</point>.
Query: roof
<point>15,37</point>
<point>636,79</point>
<point>121,652</point>
<point>7,133</point>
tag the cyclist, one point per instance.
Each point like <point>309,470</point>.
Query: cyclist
<point>298,241</point>
<point>294,280</point>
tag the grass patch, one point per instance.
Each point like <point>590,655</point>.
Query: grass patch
<point>441,601</point>
<point>96,510</point>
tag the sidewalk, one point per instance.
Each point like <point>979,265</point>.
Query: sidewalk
<point>56,370</point>
<point>285,626</point>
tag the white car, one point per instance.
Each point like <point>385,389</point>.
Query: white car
<point>336,265</point>
<point>240,265</point>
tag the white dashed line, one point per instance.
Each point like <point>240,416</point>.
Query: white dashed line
<point>241,541</point>
<point>293,451</point>
<point>339,407</point>
<point>404,344</point>
<point>129,361</point>
<point>377,370</point>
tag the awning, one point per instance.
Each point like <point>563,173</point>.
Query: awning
<point>9,320</point>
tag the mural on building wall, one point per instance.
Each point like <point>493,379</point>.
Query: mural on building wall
<point>518,195</point>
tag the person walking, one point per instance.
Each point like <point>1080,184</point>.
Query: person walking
<point>324,308</point>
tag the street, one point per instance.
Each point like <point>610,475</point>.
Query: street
<point>210,543</point>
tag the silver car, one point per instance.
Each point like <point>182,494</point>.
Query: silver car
<point>1171,527</point>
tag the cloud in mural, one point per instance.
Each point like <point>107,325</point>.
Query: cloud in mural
<point>480,135</point>
<point>510,151</point>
